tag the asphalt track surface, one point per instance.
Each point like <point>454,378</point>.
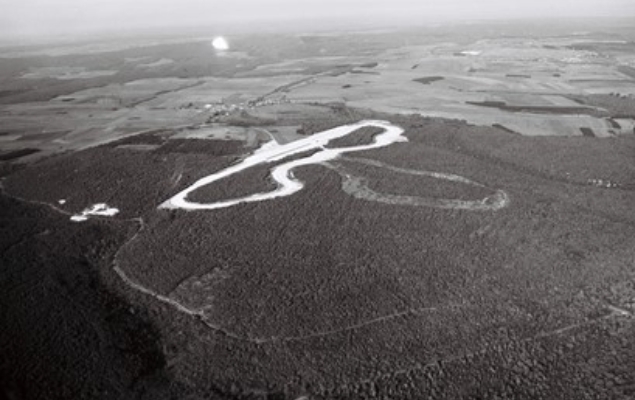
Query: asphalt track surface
<point>288,184</point>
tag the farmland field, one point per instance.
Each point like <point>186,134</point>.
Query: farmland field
<point>441,213</point>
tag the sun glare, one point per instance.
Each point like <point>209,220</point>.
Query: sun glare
<point>220,43</point>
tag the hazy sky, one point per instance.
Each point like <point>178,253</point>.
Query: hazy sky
<point>53,17</point>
